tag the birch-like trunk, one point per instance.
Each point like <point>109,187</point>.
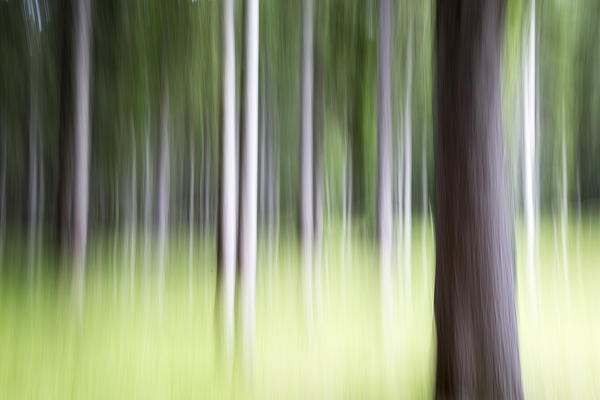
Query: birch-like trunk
<point>249,184</point>
<point>132,221</point>
<point>3,190</point>
<point>306,156</point>
<point>81,165</point>
<point>191,220</point>
<point>408,173</point>
<point>163,185</point>
<point>384,159</point>
<point>227,194</point>
<point>529,155</point>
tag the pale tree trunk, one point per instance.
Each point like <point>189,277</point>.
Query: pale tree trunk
<point>248,206</point>
<point>408,173</point>
<point>227,194</point>
<point>384,159</point>
<point>306,156</point>
<point>64,198</point>
<point>399,200</point>
<point>564,209</point>
<point>81,165</point>
<point>3,190</point>
<point>191,219</point>
<point>147,200</point>
<point>132,220</point>
<point>318,130</point>
<point>163,185</point>
<point>475,313</point>
<point>33,182</point>
<point>529,155</point>
<point>425,213</point>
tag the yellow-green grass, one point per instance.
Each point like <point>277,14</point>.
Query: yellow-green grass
<point>126,344</point>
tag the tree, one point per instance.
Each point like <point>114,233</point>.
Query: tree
<point>227,192</point>
<point>306,151</point>
<point>81,166</point>
<point>248,200</point>
<point>477,348</point>
<point>384,157</point>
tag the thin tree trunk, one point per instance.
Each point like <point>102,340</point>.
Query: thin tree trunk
<point>163,184</point>
<point>384,160</point>
<point>191,218</point>
<point>227,194</point>
<point>318,163</point>
<point>564,210</point>
<point>33,181</point>
<point>476,324</point>
<point>306,156</point>
<point>64,197</point>
<point>408,173</point>
<point>529,153</point>
<point>82,140</point>
<point>249,183</point>
<point>3,190</point>
<point>132,221</point>
<point>147,200</point>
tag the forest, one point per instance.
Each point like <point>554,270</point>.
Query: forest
<point>299,199</point>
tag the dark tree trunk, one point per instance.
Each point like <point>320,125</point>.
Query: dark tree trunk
<point>477,350</point>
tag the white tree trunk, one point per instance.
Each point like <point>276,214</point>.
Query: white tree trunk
<point>191,221</point>
<point>249,185</point>
<point>564,210</point>
<point>306,155</point>
<point>529,154</point>
<point>33,184</point>
<point>384,159</point>
<point>81,165</point>
<point>147,200</point>
<point>132,222</point>
<point>408,174</point>
<point>228,192</point>
<point>3,191</point>
<point>163,187</point>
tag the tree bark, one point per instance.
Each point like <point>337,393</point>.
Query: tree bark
<point>248,200</point>
<point>163,182</point>
<point>65,132</point>
<point>384,132</point>
<point>384,165</point>
<point>476,324</point>
<point>306,156</point>
<point>226,247</point>
<point>82,138</point>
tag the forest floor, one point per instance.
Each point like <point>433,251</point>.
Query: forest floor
<point>126,343</point>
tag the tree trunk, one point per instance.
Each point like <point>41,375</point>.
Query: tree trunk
<point>82,138</point>
<point>64,132</point>
<point>3,188</point>
<point>384,161</point>
<point>227,193</point>
<point>147,199</point>
<point>163,183</point>
<point>249,183</point>
<point>529,153</point>
<point>132,220</point>
<point>306,156</point>
<point>408,172</point>
<point>477,348</point>
<point>191,217</point>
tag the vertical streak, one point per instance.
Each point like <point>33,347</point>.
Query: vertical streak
<point>82,140</point>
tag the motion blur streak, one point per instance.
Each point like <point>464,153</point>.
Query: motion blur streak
<point>299,199</point>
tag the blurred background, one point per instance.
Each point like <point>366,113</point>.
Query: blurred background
<point>141,141</point>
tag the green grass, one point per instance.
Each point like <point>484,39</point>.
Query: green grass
<point>126,345</point>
